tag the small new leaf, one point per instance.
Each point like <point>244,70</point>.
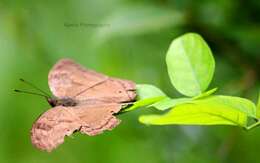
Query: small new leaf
<point>145,91</point>
<point>146,95</point>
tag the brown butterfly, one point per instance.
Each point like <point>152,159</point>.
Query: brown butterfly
<point>84,101</point>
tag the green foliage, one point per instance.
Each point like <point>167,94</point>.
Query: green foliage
<point>139,20</point>
<point>190,64</point>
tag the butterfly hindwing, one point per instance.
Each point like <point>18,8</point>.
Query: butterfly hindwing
<point>51,127</point>
<point>98,118</point>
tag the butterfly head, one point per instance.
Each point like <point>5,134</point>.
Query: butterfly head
<point>52,101</point>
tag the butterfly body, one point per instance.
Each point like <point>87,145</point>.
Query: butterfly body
<point>84,101</point>
<point>67,101</point>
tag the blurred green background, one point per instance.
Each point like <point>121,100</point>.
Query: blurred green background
<point>126,39</point>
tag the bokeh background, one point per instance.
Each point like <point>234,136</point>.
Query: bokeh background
<point>126,39</point>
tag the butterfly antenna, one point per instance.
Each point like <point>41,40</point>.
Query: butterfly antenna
<point>33,86</point>
<point>32,93</point>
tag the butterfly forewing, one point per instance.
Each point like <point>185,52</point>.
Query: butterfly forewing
<point>50,128</point>
<point>111,90</point>
<point>66,78</point>
<point>69,79</point>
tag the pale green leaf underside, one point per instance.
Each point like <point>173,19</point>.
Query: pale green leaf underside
<point>215,110</point>
<point>190,64</point>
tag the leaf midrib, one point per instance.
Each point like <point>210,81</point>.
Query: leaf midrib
<point>191,67</point>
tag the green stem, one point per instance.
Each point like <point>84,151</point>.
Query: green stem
<point>253,125</point>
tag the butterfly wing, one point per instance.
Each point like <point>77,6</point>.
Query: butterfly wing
<point>111,90</point>
<point>51,127</point>
<point>98,118</point>
<point>69,79</point>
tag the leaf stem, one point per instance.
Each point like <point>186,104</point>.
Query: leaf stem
<point>253,125</point>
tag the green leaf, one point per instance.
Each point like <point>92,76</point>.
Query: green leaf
<point>169,103</point>
<point>205,94</point>
<point>258,107</point>
<point>146,95</point>
<point>190,64</point>
<point>143,103</point>
<point>215,110</point>
<point>244,105</point>
<point>148,91</point>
